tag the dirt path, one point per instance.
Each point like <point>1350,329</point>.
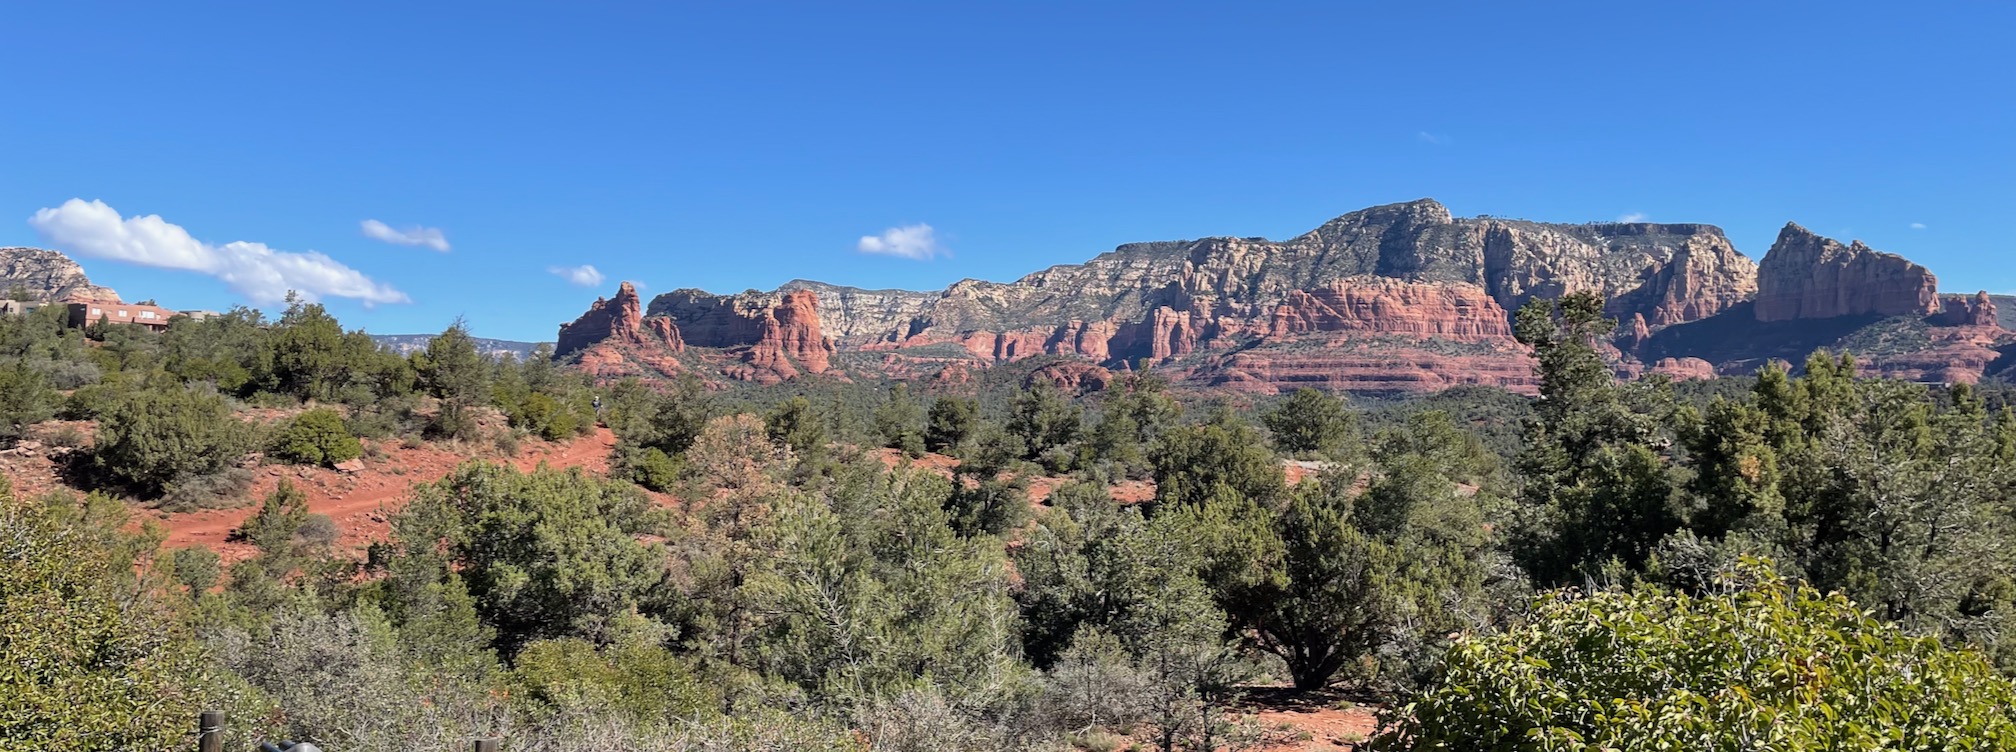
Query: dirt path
<point>361,503</point>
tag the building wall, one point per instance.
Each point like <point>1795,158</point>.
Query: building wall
<point>152,317</point>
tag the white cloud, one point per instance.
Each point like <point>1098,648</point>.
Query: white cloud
<point>427,237</point>
<point>584,275</point>
<point>1631,217</point>
<point>916,241</point>
<point>1917,225</point>
<point>260,273</point>
<point>1431,138</point>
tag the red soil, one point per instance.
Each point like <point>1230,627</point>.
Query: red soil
<point>362,502</point>
<point>1328,721</point>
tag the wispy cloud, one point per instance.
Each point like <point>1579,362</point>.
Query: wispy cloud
<point>584,275</point>
<point>1431,138</point>
<point>1631,217</point>
<point>1917,225</point>
<point>916,241</point>
<point>426,237</point>
<point>260,273</point>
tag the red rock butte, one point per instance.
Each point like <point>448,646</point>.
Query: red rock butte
<point>1403,297</point>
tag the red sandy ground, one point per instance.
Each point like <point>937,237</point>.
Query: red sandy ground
<point>360,502</point>
<point>1327,719</point>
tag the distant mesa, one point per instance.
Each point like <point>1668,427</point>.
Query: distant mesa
<point>1396,298</point>
<point>1391,299</point>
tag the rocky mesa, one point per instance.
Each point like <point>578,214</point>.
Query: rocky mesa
<point>1401,297</point>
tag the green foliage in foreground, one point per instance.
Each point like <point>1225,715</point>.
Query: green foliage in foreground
<point>1768,667</point>
<point>84,664</point>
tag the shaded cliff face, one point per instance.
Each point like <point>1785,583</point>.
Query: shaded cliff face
<point>47,275</point>
<point>1805,276</point>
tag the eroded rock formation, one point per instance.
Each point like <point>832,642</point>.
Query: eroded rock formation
<point>618,320</point>
<point>1806,276</point>
<point>48,276</point>
<point>1400,297</point>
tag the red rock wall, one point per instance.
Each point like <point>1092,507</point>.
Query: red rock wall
<point>1380,305</point>
<point>1805,276</point>
<point>619,320</point>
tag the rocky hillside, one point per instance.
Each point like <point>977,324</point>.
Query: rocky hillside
<point>47,275</point>
<point>765,339</point>
<point>1392,298</point>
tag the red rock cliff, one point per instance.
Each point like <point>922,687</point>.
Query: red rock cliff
<point>1384,305</point>
<point>620,320</point>
<point>772,337</point>
<point>1805,276</point>
<point>792,328</point>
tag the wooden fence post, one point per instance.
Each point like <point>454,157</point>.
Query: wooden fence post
<point>210,731</point>
<point>487,745</point>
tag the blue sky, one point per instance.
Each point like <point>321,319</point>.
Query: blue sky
<point>738,145</point>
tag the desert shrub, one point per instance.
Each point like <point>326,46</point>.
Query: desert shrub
<point>90,660</point>
<point>454,421</point>
<point>1310,422</point>
<point>315,437</point>
<point>68,374</point>
<point>386,418</point>
<point>224,489</point>
<point>508,442</point>
<point>951,421</point>
<point>540,413</point>
<point>195,568</point>
<point>162,435</point>
<point>992,507</point>
<point>899,422</point>
<point>648,467</point>
<point>68,437</point>
<point>25,399</point>
<point>1771,666</point>
<point>90,402</point>
<point>318,530</point>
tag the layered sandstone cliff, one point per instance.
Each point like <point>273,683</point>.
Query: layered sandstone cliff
<point>1666,273</point>
<point>617,320</point>
<point>47,275</point>
<point>756,337</point>
<point>1806,276</point>
<point>1392,298</point>
<point>776,336</point>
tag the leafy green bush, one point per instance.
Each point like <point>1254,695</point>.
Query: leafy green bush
<point>157,436</point>
<point>90,661</point>
<point>1768,667</point>
<point>540,413</point>
<point>652,469</point>
<point>316,437</point>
